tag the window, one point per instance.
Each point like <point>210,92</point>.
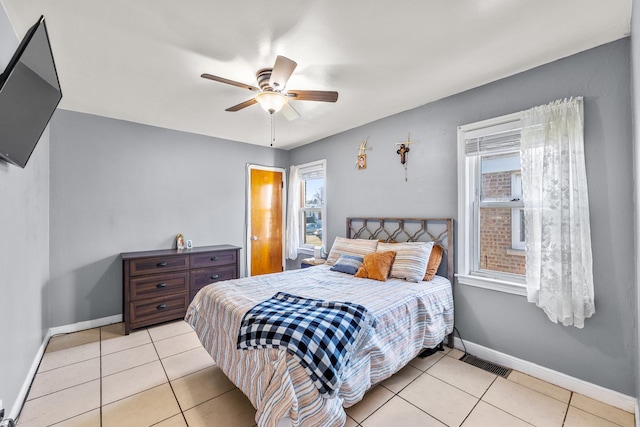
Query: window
<point>491,210</point>
<point>313,207</point>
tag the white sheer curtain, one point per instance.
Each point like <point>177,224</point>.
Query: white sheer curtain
<point>293,217</point>
<point>556,209</point>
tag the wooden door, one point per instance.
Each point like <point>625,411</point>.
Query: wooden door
<point>266,221</point>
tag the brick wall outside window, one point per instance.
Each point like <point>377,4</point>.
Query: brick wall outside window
<point>495,228</point>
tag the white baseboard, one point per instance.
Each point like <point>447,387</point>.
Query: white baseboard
<point>89,324</point>
<point>22,395</point>
<point>75,327</point>
<point>610,397</point>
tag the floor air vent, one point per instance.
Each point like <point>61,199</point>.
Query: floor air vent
<point>486,366</point>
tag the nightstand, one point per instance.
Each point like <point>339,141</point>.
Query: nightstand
<point>310,262</point>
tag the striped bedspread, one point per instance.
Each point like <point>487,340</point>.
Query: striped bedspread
<point>409,317</point>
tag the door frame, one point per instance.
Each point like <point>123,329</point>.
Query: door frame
<point>247,231</point>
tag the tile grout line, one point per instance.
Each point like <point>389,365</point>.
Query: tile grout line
<point>159,359</point>
<point>540,392</point>
<point>379,407</point>
<point>496,407</point>
<point>593,415</point>
<point>566,412</point>
<point>58,390</point>
<point>142,391</point>
<point>479,400</point>
<point>153,342</point>
<point>38,372</point>
<point>400,397</point>
<point>166,338</point>
<point>451,385</point>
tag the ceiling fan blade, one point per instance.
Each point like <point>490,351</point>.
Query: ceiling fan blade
<point>313,95</point>
<point>229,82</point>
<point>282,70</point>
<point>242,105</point>
<point>289,112</point>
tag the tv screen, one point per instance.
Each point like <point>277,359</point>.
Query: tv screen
<point>29,94</point>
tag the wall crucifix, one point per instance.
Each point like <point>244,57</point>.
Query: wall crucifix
<point>403,151</point>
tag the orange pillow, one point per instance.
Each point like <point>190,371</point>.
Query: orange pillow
<point>434,262</point>
<point>376,266</point>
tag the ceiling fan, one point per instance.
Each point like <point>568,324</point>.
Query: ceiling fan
<point>271,93</point>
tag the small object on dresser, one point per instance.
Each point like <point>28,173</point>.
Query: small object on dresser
<point>310,262</point>
<point>179,241</point>
<point>189,244</point>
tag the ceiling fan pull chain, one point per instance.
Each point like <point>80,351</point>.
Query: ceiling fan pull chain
<point>273,129</point>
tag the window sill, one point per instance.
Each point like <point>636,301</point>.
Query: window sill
<point>493,284</point>
<point>515,252</point>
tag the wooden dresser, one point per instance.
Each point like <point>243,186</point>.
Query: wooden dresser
<point>159,285</point>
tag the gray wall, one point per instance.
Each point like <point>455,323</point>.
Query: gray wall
<point>118,186</point>
<point>635,80</point>
<point>24,253</point>
<point>603,352</point>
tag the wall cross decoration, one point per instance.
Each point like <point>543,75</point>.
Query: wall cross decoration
<point>361,161</point>
<point>403,151</point>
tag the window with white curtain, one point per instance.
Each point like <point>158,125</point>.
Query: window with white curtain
<point>523,220</point>
<point>307,208</point>
<point>491,205</point>
<point>312,209</point>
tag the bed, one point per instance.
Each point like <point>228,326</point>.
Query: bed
<point>409,316</point>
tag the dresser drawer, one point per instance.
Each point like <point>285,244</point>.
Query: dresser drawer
<point>157,285</point>
<point>153,265</point>
<point>211,259</point>
<point>158,309</point>
<point>203,277</point>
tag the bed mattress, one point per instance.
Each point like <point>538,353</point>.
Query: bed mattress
<point>409,317</point>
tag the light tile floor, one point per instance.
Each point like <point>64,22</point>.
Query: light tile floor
<point>162,376</point>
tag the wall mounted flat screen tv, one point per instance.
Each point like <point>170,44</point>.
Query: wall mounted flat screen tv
<point>29,94</point>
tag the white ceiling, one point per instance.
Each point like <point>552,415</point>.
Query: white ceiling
<point>141,60</point>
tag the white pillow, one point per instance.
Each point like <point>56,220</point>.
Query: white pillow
<point>355,247</point>
<point>411,259</point>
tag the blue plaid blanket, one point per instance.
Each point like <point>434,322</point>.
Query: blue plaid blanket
<point>322,335</point>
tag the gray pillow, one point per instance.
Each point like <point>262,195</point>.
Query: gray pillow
<point>347,264</point>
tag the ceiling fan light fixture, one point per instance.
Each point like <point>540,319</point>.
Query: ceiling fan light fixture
<point>271,102</point>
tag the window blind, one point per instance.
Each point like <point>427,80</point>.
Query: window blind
<point>312,172</point>
<point>493,143</point>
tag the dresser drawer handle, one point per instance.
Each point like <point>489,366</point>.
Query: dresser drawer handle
<point>161,307</point>
<point>214,277</point>
<point>215,258</point>
<point>161,285</point>
<point>162,264</point>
